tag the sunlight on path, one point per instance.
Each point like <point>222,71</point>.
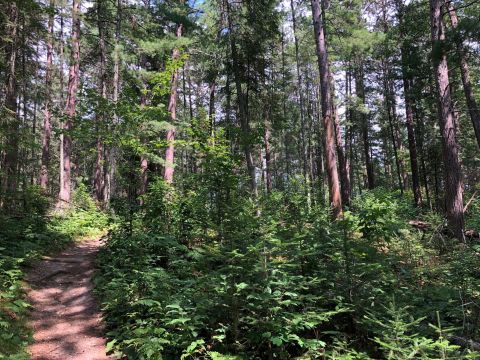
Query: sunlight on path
<point>65,319</point>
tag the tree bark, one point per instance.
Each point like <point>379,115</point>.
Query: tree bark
<point>465,71</point>
<point>172,109</point>
<point>303,147</point>
<point>11,121</point>
<point>64,196</point>
<point>47,126</point>
<point>446,118</point>
<point>112,152</point>
<point>100,118</point>
<point>342,159</point>
<point>409,110</point>
<point>360,92</point>
<point>242,106</point>
<point>268,156</point>
<point>326,103</point>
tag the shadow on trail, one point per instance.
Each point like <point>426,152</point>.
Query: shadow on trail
<point>65,319</point>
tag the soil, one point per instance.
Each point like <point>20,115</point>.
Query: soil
<point>65,318</point>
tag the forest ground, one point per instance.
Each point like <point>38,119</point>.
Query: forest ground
<point>66,320</point>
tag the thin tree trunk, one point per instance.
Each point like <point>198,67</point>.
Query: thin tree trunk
<point>112,151</point>
<point>342,159</point>
<point>388,108</point>
<point>360,92</point>
<point>70,106</point>
<point>172,109</point>
<point>211,103</point>
<point>326,102</point>
<point>11,121</point>
<point>409,111</point>
<point>349,130</point>
<point>242,106</point>
<point>303,150</point>
<point>446,117</point>
<point>47,126</point>
<point>100,118</point>
<point>465,71</point>
<point>268,156</point>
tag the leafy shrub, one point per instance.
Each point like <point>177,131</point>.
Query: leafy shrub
<point>24,236</point>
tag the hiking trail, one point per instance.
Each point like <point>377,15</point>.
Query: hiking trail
<point>65,318</point>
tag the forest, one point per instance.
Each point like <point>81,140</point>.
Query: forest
<point>239,179</point>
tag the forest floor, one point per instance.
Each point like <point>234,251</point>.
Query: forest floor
<point>65,318</point>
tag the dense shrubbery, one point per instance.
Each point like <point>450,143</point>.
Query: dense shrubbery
<point>25,234</point>
<point>203,272</point>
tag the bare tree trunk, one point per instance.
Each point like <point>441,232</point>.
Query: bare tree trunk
<point>62,100</point>
<point>465,70</point>
<point>47,126</point>
<point>409,111</point>
<point>360,92</point>
<point>70,106</point>
<point>446,117</point>
<point>172,108</point>
<point>342,159</point>
<point>268,156</point>
<point>11,121</point>
<point>303,150</point>
<point>242,106</point>
<point>100,118</point>
<point>388,108</point>
<point>328,121</point>
<point>211,103</point>
<point>349,131</point>
<point>112,152</point>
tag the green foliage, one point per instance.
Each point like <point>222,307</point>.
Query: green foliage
<point>25,236</point>
<point>203,276</point>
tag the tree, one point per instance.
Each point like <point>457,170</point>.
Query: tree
<point>446,119</point>
<point>64,196</point>
<point>406,78</point>
<point>172,109</point>
<point>327,106</point>
<point>465,71</point>
<point>47,125</point>
<point>10,119</point>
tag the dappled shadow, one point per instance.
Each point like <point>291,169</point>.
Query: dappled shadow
<point>65,318</point>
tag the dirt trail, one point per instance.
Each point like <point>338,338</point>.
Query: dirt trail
<point>66,321</point>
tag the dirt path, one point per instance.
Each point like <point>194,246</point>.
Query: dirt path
<point>66,321</point>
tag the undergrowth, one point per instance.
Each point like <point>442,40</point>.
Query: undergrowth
<point>26,233</point>
<point>201,272</point>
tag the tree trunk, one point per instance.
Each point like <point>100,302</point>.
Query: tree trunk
<point>242,106</point>
<point>11,121</point>
<point>112,151</point>
<point>388,109</point>
<point>268,156</point>
<point>360,92</point>
<point>303,150</point>
<point>446,117</point>
<point>409,110</point>
<point>342,159</point>
<point>326,102</point>
<point>172,109</point>
<point>465,71</point>
<point>47,126</point>
<point>100,118</point>
<point>64,196</point>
